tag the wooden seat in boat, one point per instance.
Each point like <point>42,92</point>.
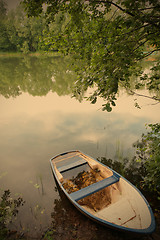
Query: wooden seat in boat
<point>79,162</point>
<point>84,192</point>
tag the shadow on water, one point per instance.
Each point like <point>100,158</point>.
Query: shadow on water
<point>68,223</point>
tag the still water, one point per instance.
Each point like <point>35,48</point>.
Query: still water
<point>39,119</point>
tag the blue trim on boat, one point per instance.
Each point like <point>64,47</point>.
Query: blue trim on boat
<point>84,192</point>
<point>148,230</point>
<point>62,154</point>
<point>67,167</point>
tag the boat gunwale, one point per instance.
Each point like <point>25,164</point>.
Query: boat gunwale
<point>148,230</point>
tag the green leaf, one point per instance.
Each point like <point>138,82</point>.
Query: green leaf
<point>36,185</point>
<point>94,100</point>
<point>107,107</point>
<point>113,103</point>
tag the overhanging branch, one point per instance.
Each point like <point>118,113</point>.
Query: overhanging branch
<point>129,12</point>
<point>149,53</point>
<point>131,92</point>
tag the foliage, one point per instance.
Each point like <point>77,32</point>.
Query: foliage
<point>49,234</point>
<point>128,168</point>
<point>109,38</point>
<point>143,170</point>
<point>4,40</point>
<point>148,153</point>
<point>5,43</point>
<point>35,75</point>
<point>3,10</point>
<point>8,210</point>
<point>17,32</point>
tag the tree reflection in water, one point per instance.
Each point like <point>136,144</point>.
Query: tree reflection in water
<point>35,75</point>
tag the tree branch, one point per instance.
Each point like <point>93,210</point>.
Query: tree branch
<point>141,44</point>
<point>131,92</point>
<point>114,4</point>
<point>128,12</point>
<point>148,8</point>
<point>148,54</point>
<point>135,29</point>
<point>113,14</point>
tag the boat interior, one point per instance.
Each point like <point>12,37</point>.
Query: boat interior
<point>110,198</point>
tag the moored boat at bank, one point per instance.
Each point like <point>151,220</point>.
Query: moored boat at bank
<point>101,193</point>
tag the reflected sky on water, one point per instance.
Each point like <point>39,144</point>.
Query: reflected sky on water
<point>35,128</point>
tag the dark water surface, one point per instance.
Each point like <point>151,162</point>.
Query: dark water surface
<point>39,119</point>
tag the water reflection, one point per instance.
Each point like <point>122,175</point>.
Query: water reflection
<point>35,75</point>
<point>43,121</point>
<point>26,134</point>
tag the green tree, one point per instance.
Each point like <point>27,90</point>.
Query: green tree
<point>24,33</point>
<point>3,9</point>
<point>4,38</point>
<point>148,154</point>
<point>110,39</point>
<point>52,30</point>
<point>30,33</point>
<point>17,32</point>
<point>12,25</point>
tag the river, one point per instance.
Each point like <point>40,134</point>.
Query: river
<point>39,119</point>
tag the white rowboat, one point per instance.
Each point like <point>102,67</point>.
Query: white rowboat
<point>125,209</point>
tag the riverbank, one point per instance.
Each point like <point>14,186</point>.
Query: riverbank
<point>69,224</point>
<point>36,54</point>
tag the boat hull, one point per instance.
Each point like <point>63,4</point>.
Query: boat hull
<point>115,210</point>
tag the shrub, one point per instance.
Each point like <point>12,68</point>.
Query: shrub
<point>8,210</point>
<point>148,153</point>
